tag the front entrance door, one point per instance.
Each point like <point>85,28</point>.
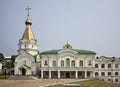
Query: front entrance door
<point>23,71</point>
<point>68,75</point>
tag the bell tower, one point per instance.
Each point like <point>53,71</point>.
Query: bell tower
<point>28,42</point>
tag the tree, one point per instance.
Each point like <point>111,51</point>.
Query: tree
<point>1,57</point>
<point>13,59</point>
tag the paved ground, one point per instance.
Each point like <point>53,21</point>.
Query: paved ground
<point>35,83</point>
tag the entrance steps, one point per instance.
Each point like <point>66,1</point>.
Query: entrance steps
<point>20,77</point>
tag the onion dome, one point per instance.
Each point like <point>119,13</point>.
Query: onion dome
<point>67,46</point>
<point>28,21</point>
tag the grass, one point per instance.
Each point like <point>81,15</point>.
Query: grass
<point>3,76</point>
<point>92,83</point>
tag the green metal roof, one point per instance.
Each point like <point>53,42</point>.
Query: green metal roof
<point>55,51</point>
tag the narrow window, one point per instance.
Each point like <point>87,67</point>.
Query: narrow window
<point>116,73</point>
<point>62,63</point>
<point>103,66</point>
<point>109,65</point>
<point>67,62</point>
<point>116,65</point>
<point>45,62</point>
<point>81,63</point>
<point>54,63</point>
<point>73,63</point>
<point>89,62</point>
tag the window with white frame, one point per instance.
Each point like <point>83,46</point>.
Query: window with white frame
<point>102,65</point>
<point>116,65</point>
<point>109,65</point>
<point>54,63</point>
<point>102,73</point>
<point>116,73</point>
<point>96,65</point>
<point>62,63</point>
<point>67,62</point>
<point>89,62</point>
<point>109,73</point>
<point>73,63</point>
<point>96,74</point>
<point>81,63</point>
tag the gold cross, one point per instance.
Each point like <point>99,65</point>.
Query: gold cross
<point>28,11</point>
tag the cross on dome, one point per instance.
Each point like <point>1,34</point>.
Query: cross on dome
<point>28,11</point>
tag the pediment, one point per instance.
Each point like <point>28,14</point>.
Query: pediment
<point>67,52</point>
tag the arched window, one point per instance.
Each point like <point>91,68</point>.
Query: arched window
<point>116,73</point>
<point>103,74</point>
<point>109,65</point>
<point>62,63</point>
<point>116,65</point>
<point>96,65</point>
<point>109,73</point>
<point>73,63</point>
<point>54,63</point>
<point>67,62</point>
<point>103,66</point>
<point>96,74</point>
<point>81,63</point>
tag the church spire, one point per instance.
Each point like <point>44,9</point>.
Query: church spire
<point>28,34</point>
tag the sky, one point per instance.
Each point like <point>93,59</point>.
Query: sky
<point>86,24</point>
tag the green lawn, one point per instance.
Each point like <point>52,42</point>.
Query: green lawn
<point>92,83</point>
<point>3,76</point>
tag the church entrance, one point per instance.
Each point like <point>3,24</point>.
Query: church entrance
<point>23,71</point>
<point>67,74</point>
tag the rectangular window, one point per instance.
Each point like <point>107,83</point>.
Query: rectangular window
<point>46,63</point>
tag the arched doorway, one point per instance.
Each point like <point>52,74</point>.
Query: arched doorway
<point>23,71</point>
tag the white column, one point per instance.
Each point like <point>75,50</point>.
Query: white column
<point>76,74</point>
<point>93,74</point>
<point>58,74</point>
<point>41,73</point>
<point>49,74</point>
<point>85,74</point>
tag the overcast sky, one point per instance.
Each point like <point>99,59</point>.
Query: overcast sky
<point>86,24</point>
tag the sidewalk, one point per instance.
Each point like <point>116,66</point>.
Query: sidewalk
<point>35,83</point>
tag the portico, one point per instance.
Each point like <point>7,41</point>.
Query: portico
<point>66,74</point>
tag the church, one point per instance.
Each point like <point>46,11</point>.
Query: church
<point>62,63</point>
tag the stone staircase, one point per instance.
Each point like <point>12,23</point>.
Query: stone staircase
<point>17,77</point>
